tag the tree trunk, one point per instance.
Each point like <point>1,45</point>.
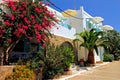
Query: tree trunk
<point>75,47</point>
<point>5,60</point>
<point>1,56</point>
<point>91,59</point>
<point>7,51</point>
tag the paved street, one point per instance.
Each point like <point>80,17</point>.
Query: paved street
<point>110,71</point>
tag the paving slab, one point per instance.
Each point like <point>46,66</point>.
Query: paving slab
<point>109,71</point>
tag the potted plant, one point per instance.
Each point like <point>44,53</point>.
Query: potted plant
<point>81,62</point>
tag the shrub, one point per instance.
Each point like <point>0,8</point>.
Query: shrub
<point>48,61</point>
<point>21,73</point>
<point>68,57</point>
<point>52,61</point>
<point>108,57</point>
<point>117,56</point>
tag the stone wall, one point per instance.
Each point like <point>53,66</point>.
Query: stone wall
<point>5,70</point>
<point>58,40</point>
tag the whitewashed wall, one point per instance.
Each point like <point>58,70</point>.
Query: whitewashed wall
<point>63,31</point>
<point>80,25</point>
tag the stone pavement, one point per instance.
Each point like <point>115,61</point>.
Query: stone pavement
<point>110,71</point>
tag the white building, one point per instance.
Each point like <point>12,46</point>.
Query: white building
<point>68,26</point>
<point>84,21</point>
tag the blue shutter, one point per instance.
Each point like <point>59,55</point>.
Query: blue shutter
<point>38,47</point>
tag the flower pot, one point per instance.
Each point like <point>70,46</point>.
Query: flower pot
<point>81,62</point>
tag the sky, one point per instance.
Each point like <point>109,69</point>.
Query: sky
<point>107,9</point>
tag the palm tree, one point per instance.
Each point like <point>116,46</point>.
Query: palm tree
<point>91,40</point>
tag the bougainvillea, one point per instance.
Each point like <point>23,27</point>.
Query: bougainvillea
<point>25,20</point>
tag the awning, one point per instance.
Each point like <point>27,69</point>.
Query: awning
<point>98,19</point>
<point>69,13</point>
<point>107,27</point>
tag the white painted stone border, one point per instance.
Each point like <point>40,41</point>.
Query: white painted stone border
<point>81,71</point>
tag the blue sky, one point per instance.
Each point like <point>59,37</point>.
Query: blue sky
<point>107,9</point>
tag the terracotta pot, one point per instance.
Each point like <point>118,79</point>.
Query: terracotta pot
<point>91,59</point>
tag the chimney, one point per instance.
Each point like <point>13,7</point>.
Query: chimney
<point>81,11</point>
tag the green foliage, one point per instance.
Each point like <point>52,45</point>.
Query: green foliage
<point>21,73</point>
<point>113,38</point>
<point>117,56</point>
<point>69,57</point>
<point>90,39</point>
<point>52,60</point>
<point>108,57</point>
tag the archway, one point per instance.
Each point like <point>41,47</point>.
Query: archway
<point>68,44</point>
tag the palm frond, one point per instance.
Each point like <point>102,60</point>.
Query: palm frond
<point>91,39</point>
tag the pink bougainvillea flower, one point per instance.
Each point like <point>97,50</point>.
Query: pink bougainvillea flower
<point>23,3</point>
<point>12,17</point>
<point>2,31</point>
<point>33,21</point>
<point>24,27</point>
<point>38,36</point>
<point>7,15</point>
<point>43,35</point>
<point>31,16</point>
<point>7,23</point>
<point>40,10</point>
<point>43,25</point>
<point>26,20</point>
<point>20,8</point>
<point>29,25</point>
<point>43,45</point>
<point>13,7</point>
<point>21,15</point>
<point>17,34</point>
<point>21,30</point>
<point>51,15</point>
<point>45,8</point>
<point>37,10</point>
<point>37,27</point>
<point>10,2</point>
